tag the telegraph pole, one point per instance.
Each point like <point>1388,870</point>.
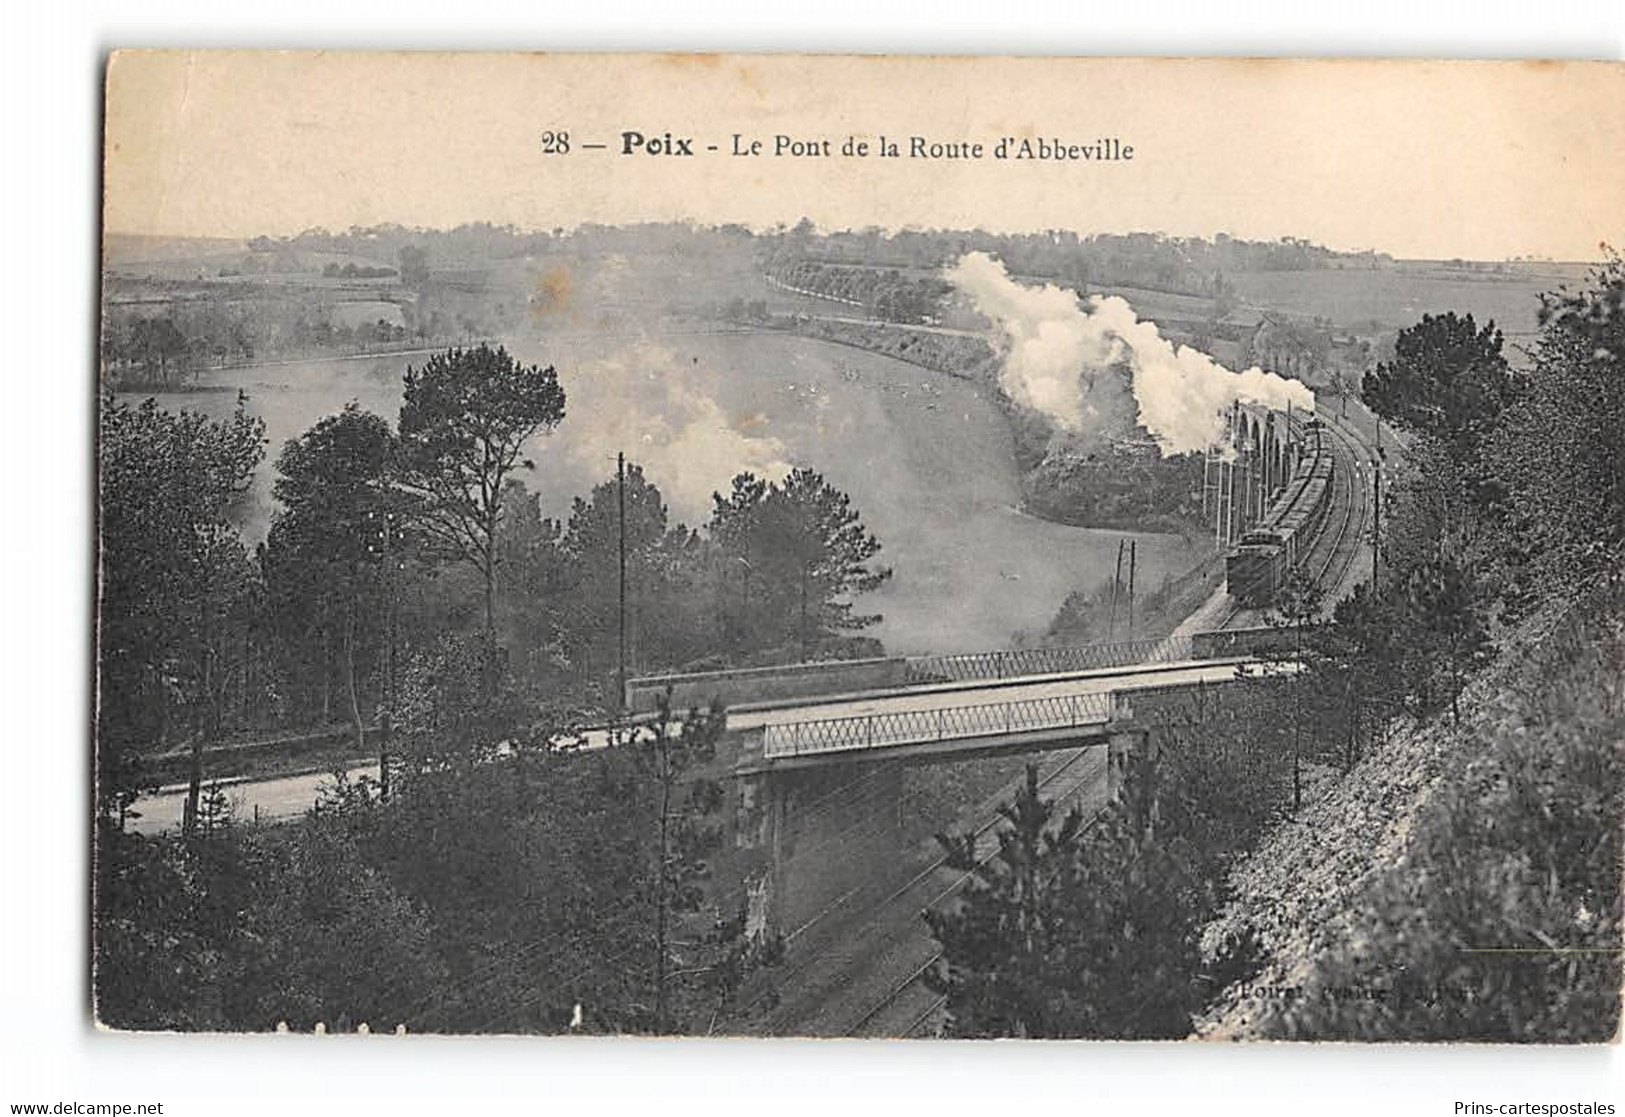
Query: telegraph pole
<point>1117,580</point>
<point>1132,544</point>
<point>390,611</point>
<point>384,541</point>
<point>620,485</point>
<point>1376,519</point>
<point>1376,503</point>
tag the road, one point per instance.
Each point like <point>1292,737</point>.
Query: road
<point>1018,689</point>
<point>266,800</point>
<point>289,796</point>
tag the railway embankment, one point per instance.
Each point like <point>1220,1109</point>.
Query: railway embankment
<point>1462,880</point>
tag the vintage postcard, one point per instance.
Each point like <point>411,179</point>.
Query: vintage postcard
<point>860,546</point>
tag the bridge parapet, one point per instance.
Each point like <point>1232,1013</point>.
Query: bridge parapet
<point>1231,643</point>
<point>947,723</point>
<point>745,685</point>
<point>1021,662</point>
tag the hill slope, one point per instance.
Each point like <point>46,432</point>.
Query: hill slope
<point>1462,882</point>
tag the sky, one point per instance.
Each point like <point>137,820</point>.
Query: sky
<point>1480,160</point>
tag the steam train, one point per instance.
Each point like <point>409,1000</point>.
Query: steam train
<point>1255,571</point>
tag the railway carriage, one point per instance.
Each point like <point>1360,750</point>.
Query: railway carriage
<point>1258,567</point>
<point>1253,571</point>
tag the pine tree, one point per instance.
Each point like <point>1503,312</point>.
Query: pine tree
<point>335,483</point>
<point>1447,380</point>
<point>999,943</point>
<point>802,554</point>
<point>1449,624</point>
<point>694,946</point>
<point>465,418</point>
<point>176,587</point>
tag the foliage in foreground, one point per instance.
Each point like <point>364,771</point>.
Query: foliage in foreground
<point>1075,930</point>
<point>1503,920</point>
<point>530,888</point>
<point>1503,923</point>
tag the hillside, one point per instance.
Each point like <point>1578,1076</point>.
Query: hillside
<point>1462,882</point>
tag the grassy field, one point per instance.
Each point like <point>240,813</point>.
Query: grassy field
<point>927,460</point>
<point>1393,298</point>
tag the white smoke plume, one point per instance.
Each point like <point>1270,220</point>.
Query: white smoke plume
<point>1054,351</point>
<point>654,407</point>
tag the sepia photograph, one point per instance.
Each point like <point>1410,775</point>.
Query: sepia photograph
<point>868,547</point>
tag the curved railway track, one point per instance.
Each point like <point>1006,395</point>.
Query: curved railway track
<point>1345,548</point>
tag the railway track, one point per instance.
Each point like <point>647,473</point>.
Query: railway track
<point>1336,549</point>
<point>1345,547</point>
<point>884,943</point>
<point>911,992</point>
<point>914,980</point>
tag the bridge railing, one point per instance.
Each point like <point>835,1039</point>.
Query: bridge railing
<point>971,666</point>
<point>947,723</point>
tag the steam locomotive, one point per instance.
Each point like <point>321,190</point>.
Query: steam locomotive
<point>1256,569</point>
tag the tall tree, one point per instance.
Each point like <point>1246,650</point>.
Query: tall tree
<point>1296,609</point>
<point>532,569</point>
<point>465,418</point>
<point>334,483</point>
<point>998,945</point>
<point>1358,666</point>
<point>1448,379</point>
<point>806,554</point>
<point>686,802</point>
<point>664,625</point>
<point>1068,931</point>
<point>175,583</point>
<point>159,345</point>
<point>1448,617</point>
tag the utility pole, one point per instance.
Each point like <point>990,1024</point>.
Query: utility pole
<point>1132,544</point>
<point>620,485</point>
<point>1207,460</point>
<point>1117,578</point>
<point>383,545</point>
<point>391,609</point>
<point>1376,519</point>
